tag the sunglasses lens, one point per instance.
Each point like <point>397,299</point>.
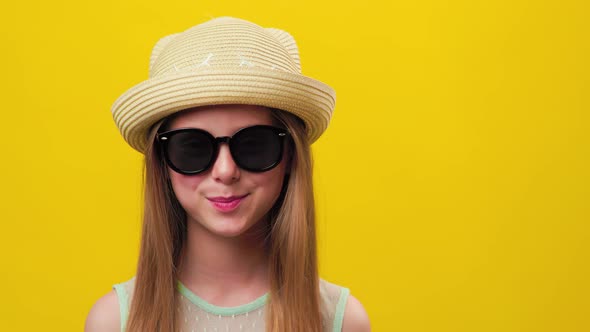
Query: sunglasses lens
<point>190,151</point>
<point>257,148</point>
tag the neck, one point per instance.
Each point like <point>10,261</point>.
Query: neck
<point>212,262</point>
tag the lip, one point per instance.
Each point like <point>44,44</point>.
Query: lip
<point>226,204</point>
<point>226,199</point>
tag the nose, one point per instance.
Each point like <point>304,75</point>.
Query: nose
<point>224,168</point>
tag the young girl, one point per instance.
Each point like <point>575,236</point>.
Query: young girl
<point>225,122</point>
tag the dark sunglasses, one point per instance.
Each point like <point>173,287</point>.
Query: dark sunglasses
<point>191,151</point>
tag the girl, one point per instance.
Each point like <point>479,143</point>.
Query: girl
<point>225,123</point>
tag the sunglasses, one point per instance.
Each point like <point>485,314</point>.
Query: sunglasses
<point>191,151</point>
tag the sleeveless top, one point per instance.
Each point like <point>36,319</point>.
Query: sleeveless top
<point>196,314</point>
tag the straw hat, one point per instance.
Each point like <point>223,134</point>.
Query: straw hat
<point>223,61</point>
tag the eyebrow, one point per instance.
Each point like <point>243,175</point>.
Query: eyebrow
<point>235,129</point>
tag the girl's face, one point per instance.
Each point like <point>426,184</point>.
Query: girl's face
<point>224,178</point>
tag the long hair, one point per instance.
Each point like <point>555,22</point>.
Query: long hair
<point>294,300</point>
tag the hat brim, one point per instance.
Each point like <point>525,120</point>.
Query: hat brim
<point>144,104</point>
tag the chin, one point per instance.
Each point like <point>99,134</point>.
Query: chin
<point>227,227</point>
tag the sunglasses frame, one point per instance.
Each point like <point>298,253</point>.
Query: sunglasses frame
<point>164,137</point>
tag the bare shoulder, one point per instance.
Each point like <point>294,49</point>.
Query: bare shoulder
<point>104,315</point>
<point>356,318</point>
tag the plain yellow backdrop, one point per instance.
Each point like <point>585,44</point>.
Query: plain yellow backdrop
<point>452,184</point>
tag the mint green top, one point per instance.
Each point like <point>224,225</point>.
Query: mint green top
<point>196,314</point>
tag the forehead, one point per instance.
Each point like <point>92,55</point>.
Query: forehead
<point>221,119</point>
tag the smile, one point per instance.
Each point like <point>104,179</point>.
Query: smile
<point>227,205</point>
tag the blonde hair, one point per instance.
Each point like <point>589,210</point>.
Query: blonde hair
<point>294,300</point>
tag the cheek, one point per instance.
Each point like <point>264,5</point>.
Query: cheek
<point>272,182</point>
<point>184,185</point>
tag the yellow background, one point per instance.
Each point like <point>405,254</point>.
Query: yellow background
<point>452,184</point>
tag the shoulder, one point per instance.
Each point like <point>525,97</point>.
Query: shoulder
<point>104,315</point>
<point>345,312</point>
<point>356,318</point>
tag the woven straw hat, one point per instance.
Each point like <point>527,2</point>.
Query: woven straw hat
<point>223,61</point>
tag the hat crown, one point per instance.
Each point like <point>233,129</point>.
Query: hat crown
<point>225,43</point>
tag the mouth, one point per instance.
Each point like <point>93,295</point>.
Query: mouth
<point>226,204</point>
<point>226,199</point>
